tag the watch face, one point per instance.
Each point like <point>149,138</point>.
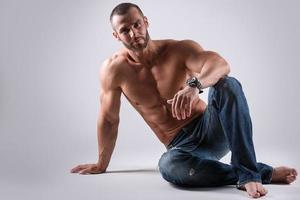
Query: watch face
<point>192,82</point>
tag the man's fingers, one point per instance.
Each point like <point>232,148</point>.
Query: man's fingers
<point>77,169</point>
<point>182,107</point>
<point>170,101</point>
<point>173,105</point>
<point>190,107</point>
<point>85,171</point>
<point>187,107</point>
<point>93,169</point>
<point>177,107</point>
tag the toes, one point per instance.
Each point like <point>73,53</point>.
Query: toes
<point>294,172</point>
<point>292,176</point>
<point>255,189</point>
<point>284,175</point>
<point>254,194</point>
<point>290,179</point>
<point>261,189</point>
<point>252,190</point>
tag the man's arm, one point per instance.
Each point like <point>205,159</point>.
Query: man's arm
<point>107,122</point>
<point>108,118</point>
<point>207,66</point>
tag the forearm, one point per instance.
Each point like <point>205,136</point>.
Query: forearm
<point>107,135</point>
<point>213,69</point>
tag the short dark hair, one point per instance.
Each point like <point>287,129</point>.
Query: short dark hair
<point>123,8</point>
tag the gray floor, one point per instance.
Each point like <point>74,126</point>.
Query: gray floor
<point>50,55</point>
<point>131,183</point>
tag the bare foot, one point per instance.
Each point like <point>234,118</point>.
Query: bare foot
<point>254,189</point>
<point>284,175</point>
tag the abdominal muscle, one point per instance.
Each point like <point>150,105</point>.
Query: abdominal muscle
<point>165,126</point>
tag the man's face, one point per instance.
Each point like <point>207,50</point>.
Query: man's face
<point>131,29</point>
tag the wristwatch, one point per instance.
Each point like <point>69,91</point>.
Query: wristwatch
<point>194,82</point>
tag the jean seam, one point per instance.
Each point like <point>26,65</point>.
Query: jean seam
<point>269,179</point>
<point>240,184</point>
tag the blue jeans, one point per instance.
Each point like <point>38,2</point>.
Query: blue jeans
<point>192,158</point>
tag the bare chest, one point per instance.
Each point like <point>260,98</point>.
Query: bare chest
<point>149,86</point>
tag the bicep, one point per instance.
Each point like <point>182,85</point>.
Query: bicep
<point>110,95</point>
<point>110,102</point>
<point>196,57</point>
<point>195,62</point>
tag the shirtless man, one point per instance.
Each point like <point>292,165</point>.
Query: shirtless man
<point>162,80</point>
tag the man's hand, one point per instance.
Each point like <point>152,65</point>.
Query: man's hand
<point>88,169</point>
<point>183,101</point>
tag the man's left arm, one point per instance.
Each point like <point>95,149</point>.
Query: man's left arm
<point>207,66</point>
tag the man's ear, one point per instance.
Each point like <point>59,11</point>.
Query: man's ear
<point>146,21</point>
<point>116,35</point>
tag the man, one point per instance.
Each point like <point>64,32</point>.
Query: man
<point>162,80</point>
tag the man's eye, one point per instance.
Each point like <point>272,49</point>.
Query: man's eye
<point>125,31</point>
<point>136,25</point>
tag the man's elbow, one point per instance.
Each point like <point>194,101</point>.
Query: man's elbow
<point>225,67</point>
<point>221,64</point>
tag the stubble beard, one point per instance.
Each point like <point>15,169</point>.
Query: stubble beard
<point>139,47</point>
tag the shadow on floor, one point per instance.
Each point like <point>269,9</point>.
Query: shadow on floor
<point>133,171</point>
<point>224,189</point>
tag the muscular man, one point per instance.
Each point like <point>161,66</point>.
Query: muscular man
<point>162,80</point>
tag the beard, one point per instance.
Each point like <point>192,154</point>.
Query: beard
<point>136,45</point>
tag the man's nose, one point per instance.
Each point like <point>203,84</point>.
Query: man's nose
<point>132,33</point>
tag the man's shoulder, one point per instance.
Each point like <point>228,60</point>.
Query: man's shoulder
<point>181,46</point>
<point>187,44</point>
<point>117,59</point>
<point>111,71</point>
<point>114,63</point>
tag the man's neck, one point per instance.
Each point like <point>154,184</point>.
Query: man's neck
<point>146,56</point>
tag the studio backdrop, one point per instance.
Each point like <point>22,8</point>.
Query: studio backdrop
<point>51,51</point>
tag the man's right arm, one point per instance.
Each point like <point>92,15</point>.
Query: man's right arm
<point>108,120</point>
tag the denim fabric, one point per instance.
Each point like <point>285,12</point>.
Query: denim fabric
<point>192,158</point>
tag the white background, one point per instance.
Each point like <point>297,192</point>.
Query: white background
<point>50,54</point>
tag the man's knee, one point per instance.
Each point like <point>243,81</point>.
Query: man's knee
<point>228,83</point>
<point>182,169</point>
<point>228,87</point>
<point>167,163</point>
<point>172,165</point>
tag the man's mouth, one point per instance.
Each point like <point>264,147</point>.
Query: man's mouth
<point>138,39</point>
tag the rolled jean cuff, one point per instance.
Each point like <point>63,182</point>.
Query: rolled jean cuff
<point>268,177</point>
<point>243,181</point>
